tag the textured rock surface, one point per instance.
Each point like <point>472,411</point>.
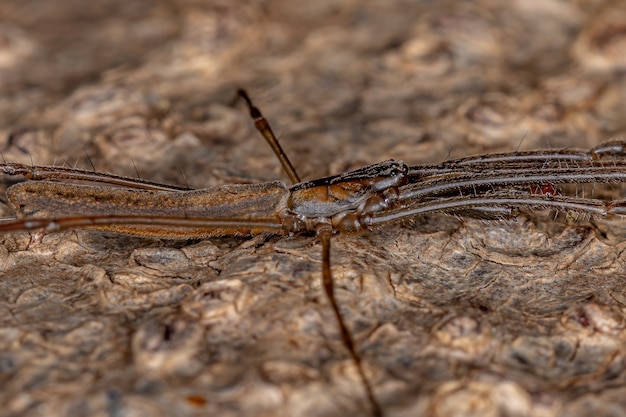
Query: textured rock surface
<point>515,318</point>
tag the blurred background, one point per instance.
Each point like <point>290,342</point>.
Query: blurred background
<point>343,83</point>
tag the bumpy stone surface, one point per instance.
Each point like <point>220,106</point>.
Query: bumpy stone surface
<point>452,317</point>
